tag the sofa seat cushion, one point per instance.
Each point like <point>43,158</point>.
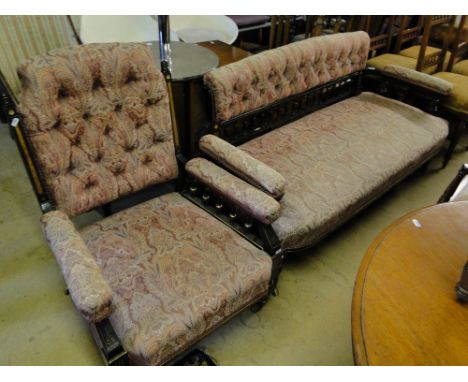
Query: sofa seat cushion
<point>458,99</point>
<point>176,273</point>
<point>461,67</point>
<point>338,159</point>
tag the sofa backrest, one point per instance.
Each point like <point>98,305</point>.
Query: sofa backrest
<point>275,74</point>
<point>97,120</point>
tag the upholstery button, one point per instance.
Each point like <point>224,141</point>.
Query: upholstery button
<point>86,116</point>
<point>131,78</point>
<point>56,125</point>
<point>146,159</point>
<point>107,130</point>
<point>140,124</point>
<point>98,157</point>
<point>90,183</point>
<point>119,170</point>
<point>97,84</point>
<point>158,139</point>
<point>129,148</point>
<point>118,107</point>
<point>151,101</point>
<point>62,92</point>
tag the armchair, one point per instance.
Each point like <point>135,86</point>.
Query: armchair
<point>155,278</point>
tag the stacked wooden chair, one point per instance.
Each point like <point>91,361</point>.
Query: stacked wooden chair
<point>456,106</point>
<point>420,57</point>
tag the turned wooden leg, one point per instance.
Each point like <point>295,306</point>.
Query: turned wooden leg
<point>456,128</point>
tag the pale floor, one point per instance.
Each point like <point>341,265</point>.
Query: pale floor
<point>309,323</point>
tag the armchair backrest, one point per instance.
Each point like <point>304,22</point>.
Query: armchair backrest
<point>264,78</point>
<point>97,121</point>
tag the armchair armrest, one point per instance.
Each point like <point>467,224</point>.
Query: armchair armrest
<point>89,291</point>
<point>243,165</point>
<point>417,78</point>
<point>251,200</point>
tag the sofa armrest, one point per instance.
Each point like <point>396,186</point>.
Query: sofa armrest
<point>420,79</point>
<point>89,291</point>
<point>249,199</point>
<point>243,165</point>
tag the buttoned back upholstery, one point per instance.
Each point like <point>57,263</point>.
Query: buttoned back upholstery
<point>98,122</point>
<point>275,74</point>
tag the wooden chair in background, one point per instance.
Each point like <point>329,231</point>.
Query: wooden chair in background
<point>279,31</point>
<point>455,106</point>
<point>313,26</point>
<point>429,58</point>
<point>458,62</point>
<point>420,56</point>
<point>383,40</point>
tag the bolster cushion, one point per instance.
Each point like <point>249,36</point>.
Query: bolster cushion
<point>243,165</point>
<point>422,79</point>
<point>251,200</point>
<point>88,289</point>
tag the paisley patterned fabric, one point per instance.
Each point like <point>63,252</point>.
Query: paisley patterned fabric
<point>272,75</point>
<point>89,291</point>
<point>340,158</point>
<point>176,274</point>
<point>418,78</point>
<point>98,120</point>
<point>243,165</point>
<point>251,200</point>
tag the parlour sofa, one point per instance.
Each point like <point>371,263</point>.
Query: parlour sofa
<point>340,135</point>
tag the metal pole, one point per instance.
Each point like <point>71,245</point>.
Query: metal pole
<point>165,52</point>
<point>165,56</point>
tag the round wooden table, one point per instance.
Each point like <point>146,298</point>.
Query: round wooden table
<point>405,310</point>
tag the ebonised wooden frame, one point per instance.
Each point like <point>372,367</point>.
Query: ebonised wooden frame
<point>251,124</point>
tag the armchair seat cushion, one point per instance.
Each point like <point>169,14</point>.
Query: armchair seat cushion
<point>338,159</point>
<point>413,51</point>
<point>461,67</point>
<point>380,62</point>
<point>175,272</point>
<point>458,99</point>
